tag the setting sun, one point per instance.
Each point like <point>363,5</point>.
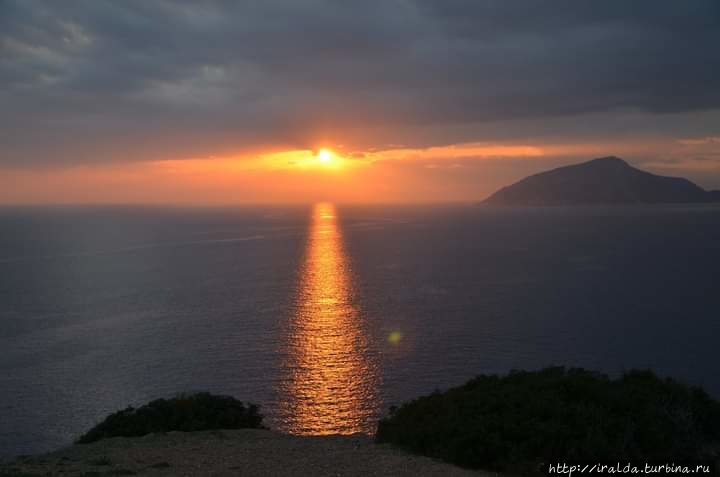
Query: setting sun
<point>325,156</point>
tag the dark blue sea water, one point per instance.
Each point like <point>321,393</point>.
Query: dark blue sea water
<point>328,315</point>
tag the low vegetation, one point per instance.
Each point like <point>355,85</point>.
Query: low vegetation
<point>520,422</point>
<point>194,412</point>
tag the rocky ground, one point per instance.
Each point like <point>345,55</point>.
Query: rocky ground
<point>245,452</point>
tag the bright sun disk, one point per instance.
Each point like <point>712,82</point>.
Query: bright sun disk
<point>325,156</point>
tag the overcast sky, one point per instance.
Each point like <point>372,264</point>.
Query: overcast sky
<point>94,83</point>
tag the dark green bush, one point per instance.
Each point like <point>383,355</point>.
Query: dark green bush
<point>194,412</point>
<point>516,422</point>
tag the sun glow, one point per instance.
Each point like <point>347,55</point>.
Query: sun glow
<point>325,156</point>
<point>322,159</point>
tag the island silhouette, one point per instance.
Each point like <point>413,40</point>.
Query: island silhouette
<point>602,181</point>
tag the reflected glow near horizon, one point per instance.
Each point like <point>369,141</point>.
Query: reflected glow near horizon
<point>331,380</point>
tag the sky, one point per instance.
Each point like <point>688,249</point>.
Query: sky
<point>213,102</point>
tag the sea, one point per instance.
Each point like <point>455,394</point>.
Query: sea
<point>327,314</point>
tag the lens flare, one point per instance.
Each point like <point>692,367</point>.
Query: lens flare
<point>395,337</point>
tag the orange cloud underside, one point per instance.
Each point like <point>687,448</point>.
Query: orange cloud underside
<point>285,176</point>
<point>467,171</point>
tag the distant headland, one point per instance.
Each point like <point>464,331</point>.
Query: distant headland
<point>602,181</point>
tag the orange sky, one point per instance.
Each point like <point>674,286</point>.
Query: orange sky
<point>456,172</point>
<point>179,102</point>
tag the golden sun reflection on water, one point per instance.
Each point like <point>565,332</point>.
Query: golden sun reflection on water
<point>331,381</point>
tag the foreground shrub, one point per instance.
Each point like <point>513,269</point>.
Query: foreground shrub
<point>194,412</point>
<point>516,422</point>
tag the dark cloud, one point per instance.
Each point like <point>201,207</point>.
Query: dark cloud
<point>77,76</point>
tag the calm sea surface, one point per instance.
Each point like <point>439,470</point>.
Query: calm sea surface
<point>328,315</point>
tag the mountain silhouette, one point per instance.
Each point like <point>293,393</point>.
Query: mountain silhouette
<point>607,180</point>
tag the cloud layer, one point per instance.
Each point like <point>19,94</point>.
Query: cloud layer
<point>103,81</point>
